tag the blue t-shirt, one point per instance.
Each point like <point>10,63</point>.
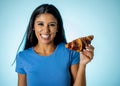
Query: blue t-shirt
<point>52,70</point>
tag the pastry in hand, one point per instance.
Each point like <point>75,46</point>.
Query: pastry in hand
<point>80,43</point>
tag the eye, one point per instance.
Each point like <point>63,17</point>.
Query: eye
<point>40,24</point>
<point>52,24</point>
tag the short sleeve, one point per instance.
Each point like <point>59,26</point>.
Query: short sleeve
<point>74,57</point>
<point>19,65</point>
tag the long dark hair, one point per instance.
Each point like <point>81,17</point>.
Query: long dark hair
<point>31,39</point>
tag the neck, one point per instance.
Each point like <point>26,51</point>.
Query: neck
<point>44,49</point>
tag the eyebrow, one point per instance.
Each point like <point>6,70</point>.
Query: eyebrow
<point>49,22</point>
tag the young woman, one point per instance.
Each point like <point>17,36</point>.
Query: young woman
<point>45,61</point>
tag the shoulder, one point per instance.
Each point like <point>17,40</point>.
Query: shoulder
<point>62,47</point>
<point>24,53</point>
<point>74,57</point>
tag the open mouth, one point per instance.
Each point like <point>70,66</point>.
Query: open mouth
<point>45,36</point>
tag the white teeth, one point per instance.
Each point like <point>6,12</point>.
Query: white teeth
<point>44,36</point>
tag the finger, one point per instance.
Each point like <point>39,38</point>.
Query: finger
<point>90,54</point>
<point>89,48</point>
<point>82,53</point>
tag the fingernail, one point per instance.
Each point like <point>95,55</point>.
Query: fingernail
<point>87,49</point>
<point>83,49</point>
<point>89,45</point>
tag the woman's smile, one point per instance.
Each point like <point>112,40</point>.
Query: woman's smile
<point>45,36</point>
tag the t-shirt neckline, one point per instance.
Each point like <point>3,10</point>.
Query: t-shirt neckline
<point>48,55</point>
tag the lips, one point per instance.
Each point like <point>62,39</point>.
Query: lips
<point>45,36</point>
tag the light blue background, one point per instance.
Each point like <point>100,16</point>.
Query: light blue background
<point>81,17</point>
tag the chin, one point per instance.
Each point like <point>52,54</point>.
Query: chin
<point>47,42</point>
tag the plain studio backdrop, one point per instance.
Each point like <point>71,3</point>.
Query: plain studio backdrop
<point>81,18</point>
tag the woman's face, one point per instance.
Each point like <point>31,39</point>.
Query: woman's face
<point>45,27</point>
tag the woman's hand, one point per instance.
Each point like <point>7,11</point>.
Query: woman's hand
<point>87,55</point>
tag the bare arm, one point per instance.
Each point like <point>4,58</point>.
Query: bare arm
<point>74,70</point>
<point>22,80</point>
<point>78,71</point>
<point>81,76</point>
<point>78,75</point>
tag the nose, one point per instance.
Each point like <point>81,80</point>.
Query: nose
<point>46,29</point>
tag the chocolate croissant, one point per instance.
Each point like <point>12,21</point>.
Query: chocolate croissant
<point>80,43</point>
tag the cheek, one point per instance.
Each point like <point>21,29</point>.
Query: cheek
<point>37,29</point>
<point>54,30</point>
<point>37,33</point>
<point>53,35</point>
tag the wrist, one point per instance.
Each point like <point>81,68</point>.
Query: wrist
<point>82,65</point>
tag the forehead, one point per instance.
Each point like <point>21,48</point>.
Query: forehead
<point>46,17</point>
